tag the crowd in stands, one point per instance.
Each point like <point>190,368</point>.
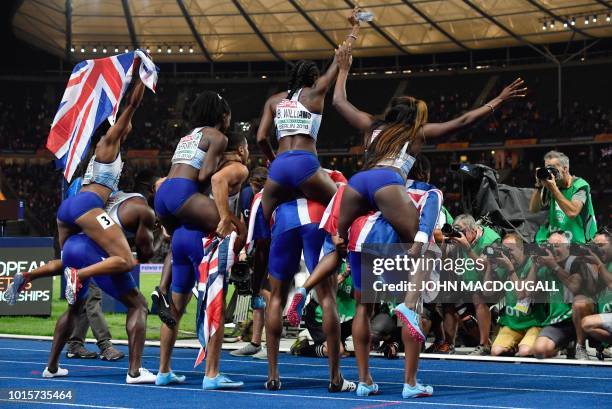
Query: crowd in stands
<point>26,114</point>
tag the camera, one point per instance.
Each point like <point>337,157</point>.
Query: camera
<point>538,250</point>
<point>547,173</point>
<point>580,250</point>
<point>496,252</point>
<point>450,231</point>
<point>240,276</point>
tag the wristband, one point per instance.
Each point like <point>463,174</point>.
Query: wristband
<point>490,106</point>
<point>352,36</point>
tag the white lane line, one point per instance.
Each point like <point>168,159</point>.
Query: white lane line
<point>264,362</point>
<point>325,380</point>
<point>267,394</point>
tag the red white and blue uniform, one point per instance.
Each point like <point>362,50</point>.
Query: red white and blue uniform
<point>295,229</point>
<point>373,228</point>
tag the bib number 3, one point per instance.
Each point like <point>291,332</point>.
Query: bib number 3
<point>105,220</point>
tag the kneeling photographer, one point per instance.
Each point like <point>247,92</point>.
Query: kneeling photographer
<point>599,326</point>
<point>566,271</point>
<point>567,198</point>
<point>472,241</point>
<point>520,317</point>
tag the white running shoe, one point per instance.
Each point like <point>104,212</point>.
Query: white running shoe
<point>145,376</point>
<point>262,354</point>
<point>60,372</point>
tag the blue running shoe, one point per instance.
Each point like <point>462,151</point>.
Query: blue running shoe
<point>416,391</point>
<point>411,320</point>
<point>220,382</point>
<point>258,302</point>
<point>363,389</point>
<point>294,314</point>
<point>12,291</point>
<point>168,378</point>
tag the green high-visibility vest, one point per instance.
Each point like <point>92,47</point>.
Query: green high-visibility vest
<point>579,229</point>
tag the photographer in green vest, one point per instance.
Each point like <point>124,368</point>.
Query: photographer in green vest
<point>472,240</point>
<point>599,325</point>
<point>567,198</point>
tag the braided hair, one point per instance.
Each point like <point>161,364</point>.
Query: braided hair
<point>401,122</point>
<point>303,74</point>
<point>208,110</point>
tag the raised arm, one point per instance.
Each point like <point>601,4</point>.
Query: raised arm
<point>216,147</point>
<point>323,83</point>
<point>265,124</point>
<point>123,125</point>
<point>512,91</point>
<point>356,118</point>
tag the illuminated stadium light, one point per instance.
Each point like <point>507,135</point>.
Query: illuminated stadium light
<point>82,50</point>
<point>594,19</point>
<point>116,49</point>
<point>608,18</point>
<point>95,50</point>
<point>544,25</point>
<point>264,77</point>
<point>104,50</point>
<point>190,50</point>
<point>169,50</point>
<point>159,50</point>
<point>586,21</point>
<point>148,50</point>
<point>573,21</point>
<point>552,24</point>
<point>127,50</point>
<point>72,49</point>
<point>565,24</point>
<point>181,49</point>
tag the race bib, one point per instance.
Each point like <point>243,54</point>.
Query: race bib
<point>187,147</point>
<point>105,220</point>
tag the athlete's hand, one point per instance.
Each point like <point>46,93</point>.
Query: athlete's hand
<point>344,57</point>
<point>225,227</point>
<point>353,17</point>
<point>514,90</point>
<point>341,245</point>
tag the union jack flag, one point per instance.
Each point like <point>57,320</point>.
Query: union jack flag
<point>93,94</point>
<point>374,228</point>
<point>214,271</point>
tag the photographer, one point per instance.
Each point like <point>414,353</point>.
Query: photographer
<point>566,272</point>
<point>259,265</point>
<point>567,198</point>
<point>599,326</point>
<point>520,320</point>
<point>313,318</point>
<point>472,240</point>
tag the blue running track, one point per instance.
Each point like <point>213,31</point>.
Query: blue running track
<point>457,384</point>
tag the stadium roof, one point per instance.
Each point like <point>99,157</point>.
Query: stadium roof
<point>259,30</point>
